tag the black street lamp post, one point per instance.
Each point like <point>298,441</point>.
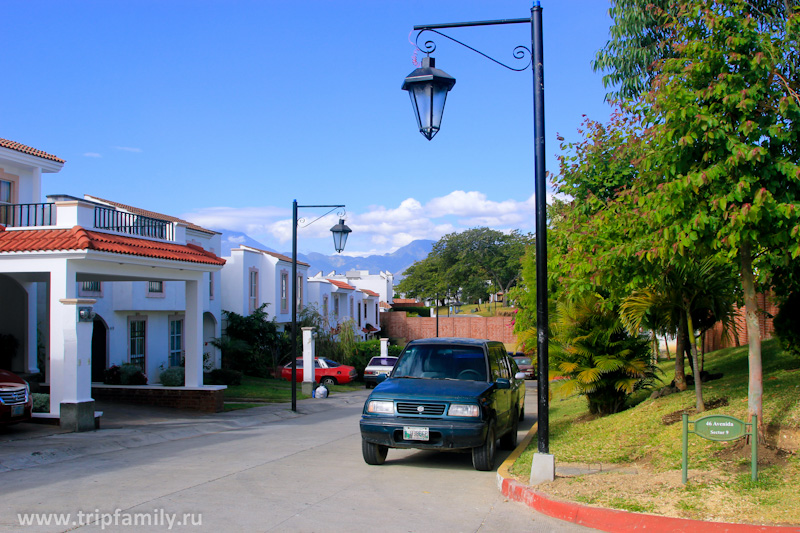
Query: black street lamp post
<point>340,233</point>
<point>428,88</point>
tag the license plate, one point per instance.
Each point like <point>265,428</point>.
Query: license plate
<point>415,433</point>
<point>17,410</point>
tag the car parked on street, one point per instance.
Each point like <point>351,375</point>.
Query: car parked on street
<point>446,394</point>
<point>525,364</point>
<point>377,369</point>
<point>326,372</point>
<point>16,401</point>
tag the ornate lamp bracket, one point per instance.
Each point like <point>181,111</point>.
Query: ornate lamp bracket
<point>519,53</point>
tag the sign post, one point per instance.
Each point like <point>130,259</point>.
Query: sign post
<point>721,428</point>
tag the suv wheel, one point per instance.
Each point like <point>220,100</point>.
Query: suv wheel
<point>374,454</point>
<point>483,456</point>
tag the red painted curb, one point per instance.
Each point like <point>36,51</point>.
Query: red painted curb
<point>622,521</point>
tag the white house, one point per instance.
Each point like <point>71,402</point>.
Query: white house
<point>252,277</point>
<point>144,321</point>
<point>381,283</point>
<point>54,249</point>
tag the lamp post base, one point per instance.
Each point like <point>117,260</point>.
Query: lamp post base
<point>543,468</point>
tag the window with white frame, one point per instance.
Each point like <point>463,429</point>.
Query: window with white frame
<point>325,309</point>
<point>155,287</point>
<point>284,292</point>
<point>253,290</point>
<point>6,198</point>
<point>210,285</point>
<point>300,292</point>
<point>335,306</point>
<point>90,288</point>
<point>175,341</point>
<point>137,328</point>
<point>351,307</point>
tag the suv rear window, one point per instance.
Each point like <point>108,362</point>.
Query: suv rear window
<point>441,362</point>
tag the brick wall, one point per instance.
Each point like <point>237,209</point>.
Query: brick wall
<point>397,324</point>
<point>208,399</point>
<point>766,310</point>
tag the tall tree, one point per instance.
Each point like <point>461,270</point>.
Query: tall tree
<point>720,170</point>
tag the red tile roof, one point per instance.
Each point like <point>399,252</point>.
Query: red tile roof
<point>79,238</point>
<point>151,214</point>
<point>369,292</point>
<point>11,145</point>
<point>342,284</point>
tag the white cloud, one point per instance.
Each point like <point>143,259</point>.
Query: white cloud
<point>92,154</point>
<point>378,230</point>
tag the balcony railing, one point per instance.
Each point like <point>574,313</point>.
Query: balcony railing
<point>25,215</point>
<point>132,224</point>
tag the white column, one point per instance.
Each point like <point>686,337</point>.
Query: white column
<point>308,355</point>
<point>193,323</point>
<point>384,347</point>
<point>31,348</point>
<point>63,333</point>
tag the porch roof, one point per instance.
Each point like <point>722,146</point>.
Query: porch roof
<point>78,238</point>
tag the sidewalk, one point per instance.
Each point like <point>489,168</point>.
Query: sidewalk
<point>607,519</point>
<point>122,426</point>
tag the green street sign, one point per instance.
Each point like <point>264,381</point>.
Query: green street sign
<point>720,427</point>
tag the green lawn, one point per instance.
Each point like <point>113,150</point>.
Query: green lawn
<point>275,390</point>
<point>648,436</point>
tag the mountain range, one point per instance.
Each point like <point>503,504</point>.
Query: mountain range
<point>396,262</point>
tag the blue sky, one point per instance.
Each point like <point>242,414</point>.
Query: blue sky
<point>224,111</point>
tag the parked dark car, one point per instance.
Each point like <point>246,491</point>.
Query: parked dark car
<point>16,401</point>
<point>446,394</point>
<point>377,369</point>
<point>526,364</point>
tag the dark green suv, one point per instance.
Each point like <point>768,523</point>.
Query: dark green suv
<point>446,394</point>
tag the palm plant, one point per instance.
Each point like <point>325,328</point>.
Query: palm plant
<point>599,359</point>
<point>687,293</point>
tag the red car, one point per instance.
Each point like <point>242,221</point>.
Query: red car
<point>16,401</point>
<point>326,372</point>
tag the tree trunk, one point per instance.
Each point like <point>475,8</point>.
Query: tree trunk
<point>666,346</point>
<point>698,383</point>
<point>756,382</point>
<point>680,349</point>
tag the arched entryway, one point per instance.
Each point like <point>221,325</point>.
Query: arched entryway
<point>99,348</point>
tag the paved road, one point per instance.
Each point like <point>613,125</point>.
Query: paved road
<point>253,472</point>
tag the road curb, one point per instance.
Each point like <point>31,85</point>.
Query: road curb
<point>610,520</point>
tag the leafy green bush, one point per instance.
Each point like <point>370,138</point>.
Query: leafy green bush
<point>786,324</point>
<point>252,344</point>
<point>598,358</point>
<point>112,375</point>
<point>41,402</point>
<point>131,374</point>
<point>174,376</point>
<point>223,376</point>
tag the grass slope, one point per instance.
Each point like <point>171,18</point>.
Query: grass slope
<point>646,438</point>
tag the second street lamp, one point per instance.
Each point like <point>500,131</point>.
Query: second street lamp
<point>428,90</point>
<point>340,232</point>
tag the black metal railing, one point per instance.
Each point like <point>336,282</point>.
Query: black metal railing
<point>132,224</point>
<point>24,215</point>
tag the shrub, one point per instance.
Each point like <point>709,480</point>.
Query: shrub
<point>786,322</point>
<point>223,376</point>
<point>174,376</point>
<point>41,402</point>
<point>112,375</point>
<point>131,374</point>
<point>592,350</point>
